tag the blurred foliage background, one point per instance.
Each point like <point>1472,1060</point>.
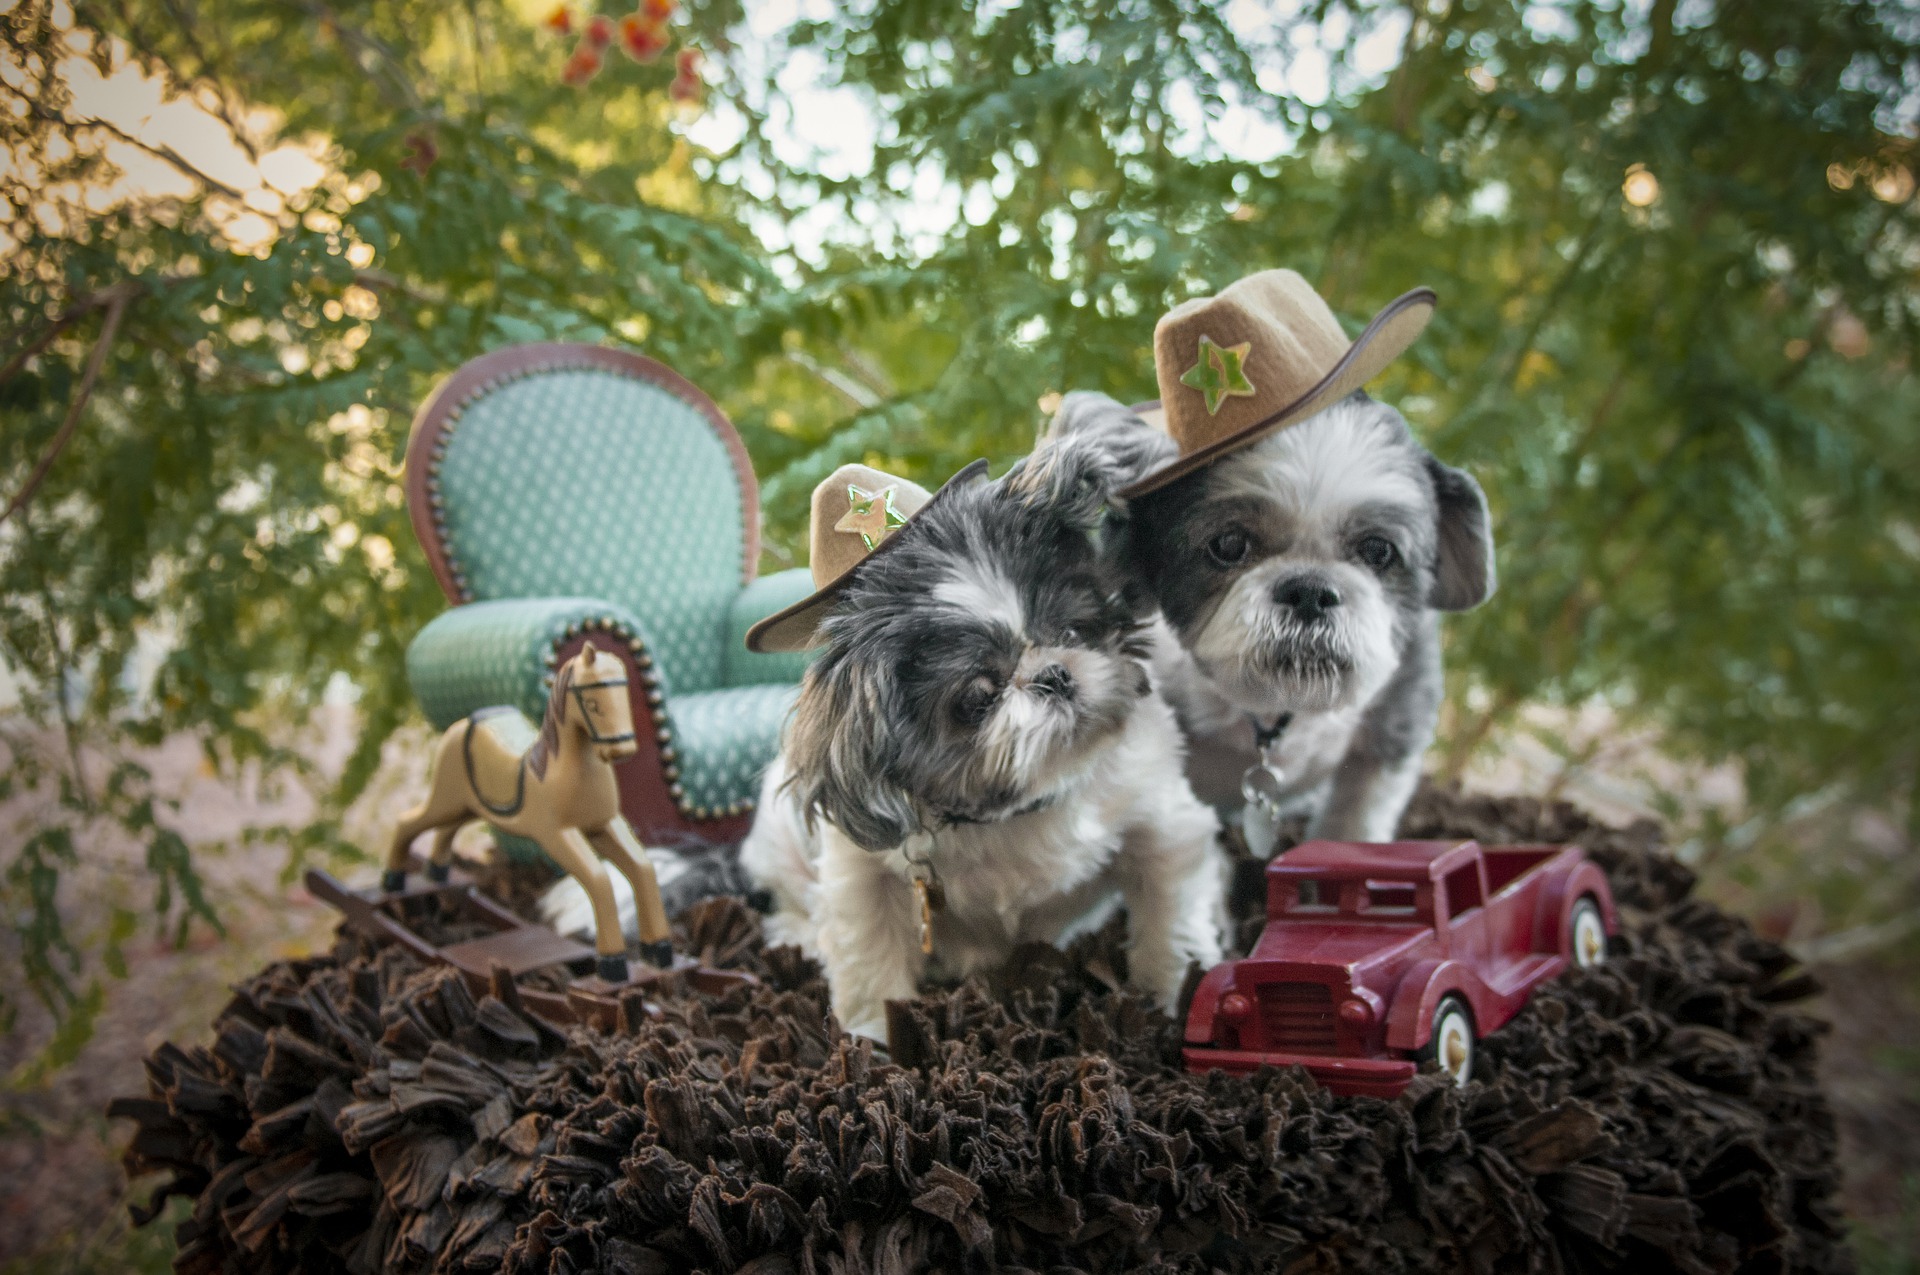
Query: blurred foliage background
<point>1674,241</point>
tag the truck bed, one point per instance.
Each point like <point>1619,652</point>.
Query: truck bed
<point>1507,864</point>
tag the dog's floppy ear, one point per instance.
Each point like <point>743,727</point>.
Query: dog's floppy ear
<point>1092,448</point>
<point>840,744</point>
<point>1463,574</point>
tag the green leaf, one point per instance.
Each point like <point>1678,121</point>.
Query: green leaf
<point>120,928</point>
<point>75,1029</point>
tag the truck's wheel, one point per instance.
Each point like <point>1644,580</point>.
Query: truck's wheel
<point>1451,1047</point>
<point>1587,933</point>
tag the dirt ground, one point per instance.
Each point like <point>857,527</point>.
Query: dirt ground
<point>62,1197</point>
<point>1871,1068</point>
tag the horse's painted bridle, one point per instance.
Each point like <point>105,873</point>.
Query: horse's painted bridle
<point>586,718</point>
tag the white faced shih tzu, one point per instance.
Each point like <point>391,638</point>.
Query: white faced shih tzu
<point>1298,543</point>
<point>976,759</point>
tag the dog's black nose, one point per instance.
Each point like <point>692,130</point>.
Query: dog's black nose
<point>1309,597</point>
<point>1053,680</point>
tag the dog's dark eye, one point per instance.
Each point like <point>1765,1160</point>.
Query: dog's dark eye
<point>976,701</point>
<point>1229,548</point>
<point>1377,552</point>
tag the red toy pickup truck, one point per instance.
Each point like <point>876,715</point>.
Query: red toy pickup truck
<point>1377,957</point>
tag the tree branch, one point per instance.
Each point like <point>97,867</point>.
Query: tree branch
<point>864,368</point>
<point>1404,90</point>
<point>1463,746</point>
<point>61,322</point>
<point>381,281</point>
<point>1551,301</point>
<point>355,38</point>
<point>161,152</point>
<point>184,22</point>
<point>853,391</point>
<point>109,327</point>
<point>131,289</point>
<point>69,728</point>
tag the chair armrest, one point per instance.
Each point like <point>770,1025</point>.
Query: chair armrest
<point>756,602</point>
<point>501,652</point>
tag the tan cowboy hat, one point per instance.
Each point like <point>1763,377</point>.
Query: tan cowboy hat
<point>856,511</point>
<point>1263,354</point>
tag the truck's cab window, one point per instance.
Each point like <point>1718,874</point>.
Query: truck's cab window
<point>1463,890</point>
<point>1313,895</point>
<point>1390,896</point>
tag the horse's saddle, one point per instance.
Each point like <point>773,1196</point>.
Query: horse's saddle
<point>495,750</point>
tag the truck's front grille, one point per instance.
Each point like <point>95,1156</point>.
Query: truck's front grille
<point>1297,1017</point>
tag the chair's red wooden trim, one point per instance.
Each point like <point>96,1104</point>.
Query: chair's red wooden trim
<point>479,375</point>
<point>724,829</point>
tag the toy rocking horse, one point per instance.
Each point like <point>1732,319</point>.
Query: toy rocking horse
<point>556,788</point>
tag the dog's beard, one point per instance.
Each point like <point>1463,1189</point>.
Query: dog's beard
<point>1033,746</point>
<point>1269,661</point>
<point>1307,664</point>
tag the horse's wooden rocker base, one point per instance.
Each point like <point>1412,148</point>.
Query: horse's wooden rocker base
<point>492,962</point>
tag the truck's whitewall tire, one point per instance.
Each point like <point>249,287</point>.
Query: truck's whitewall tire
<point>1452,1046</point>
<point>1587,934</point>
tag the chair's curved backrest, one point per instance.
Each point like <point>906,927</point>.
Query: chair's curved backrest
<point>577,471</point>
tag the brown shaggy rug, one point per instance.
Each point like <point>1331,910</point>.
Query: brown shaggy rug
<point>358,1112</point>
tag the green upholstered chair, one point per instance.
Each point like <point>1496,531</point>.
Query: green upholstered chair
<point>569,492</point>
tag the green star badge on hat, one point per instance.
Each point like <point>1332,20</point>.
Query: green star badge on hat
<point>871,514</point>
<point>1220,374</point>
<point>1307,363</point>
<point>857,512</point>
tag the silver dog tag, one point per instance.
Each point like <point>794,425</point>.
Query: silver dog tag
<point>1262,786</point>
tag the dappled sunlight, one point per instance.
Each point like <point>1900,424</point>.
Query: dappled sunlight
<point>165,145</point>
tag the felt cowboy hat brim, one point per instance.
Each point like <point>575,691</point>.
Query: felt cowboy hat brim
<point>1385,339</point>
<point>795,628</point>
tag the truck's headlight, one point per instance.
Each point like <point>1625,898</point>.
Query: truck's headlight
<point>1356,1013</point>
<point>1235,1008</point>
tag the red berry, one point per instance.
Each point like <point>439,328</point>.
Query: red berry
<point>422,151</point>
<point>658,10</point>
<point>643,40</point>
<point>600,31</point>
<point>561,20</point>
<point>581,67</point>
<point>687,62</point>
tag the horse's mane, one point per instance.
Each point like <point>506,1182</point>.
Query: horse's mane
<point>549,742</point>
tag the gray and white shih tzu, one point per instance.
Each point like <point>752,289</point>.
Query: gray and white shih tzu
<point>981,706</point>
<point>1297,583</point>
<point>980,714</point>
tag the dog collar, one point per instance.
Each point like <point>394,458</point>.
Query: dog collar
<point>1265,737</point>
<point>957,818</point>
<point>1264,784</point>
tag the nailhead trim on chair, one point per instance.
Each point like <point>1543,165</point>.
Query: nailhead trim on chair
<point>437,502</point>
<point>656,705</point>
